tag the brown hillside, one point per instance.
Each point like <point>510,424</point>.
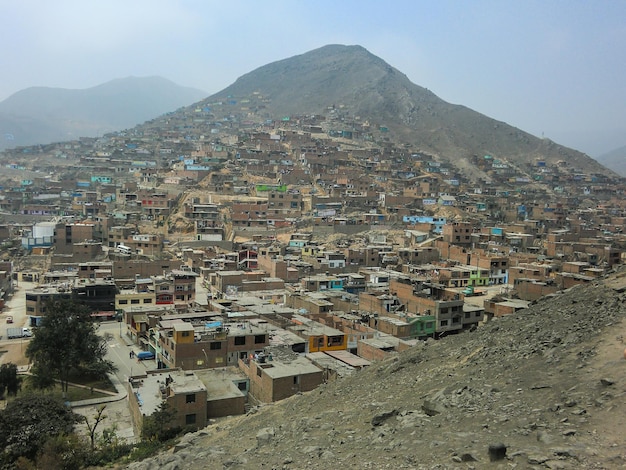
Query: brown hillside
<point>363,85</point>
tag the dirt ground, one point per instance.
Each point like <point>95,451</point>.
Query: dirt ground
<point>14,353</point>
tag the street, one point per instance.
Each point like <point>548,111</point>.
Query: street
<point>15,307</point>
<point>118,351</point>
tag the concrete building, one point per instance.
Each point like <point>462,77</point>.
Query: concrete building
<point>227,391</point>
<point>182,390</point>
<point>273,379</point>
<point>208,345</point>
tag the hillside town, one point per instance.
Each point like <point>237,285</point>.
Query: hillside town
<point>249,259</point>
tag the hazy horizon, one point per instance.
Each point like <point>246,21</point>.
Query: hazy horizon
<point>550,68</point>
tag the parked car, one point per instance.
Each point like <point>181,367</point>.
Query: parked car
<point>145,355</point>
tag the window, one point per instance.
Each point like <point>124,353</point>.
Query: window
<point>443,323</point>
<point>335,340</point>
<point>185,333</point>
<point>259,371</point>
<point>215,346</point>
<point>259,339</point>
<point>296,380</point>
<point>147,301</point>
<point>190,398</point>
<point>242,386</point>
<point>123,301</point>
<point>467,314</point>
<point>134,301</point>
<point>219,360</point>
<point>190,419</point>
<point>240,340</point>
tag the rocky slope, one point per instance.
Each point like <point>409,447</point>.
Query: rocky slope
<point>544,388</point>
<point>361,84</point>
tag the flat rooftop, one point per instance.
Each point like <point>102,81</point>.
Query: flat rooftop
<point>221,383</point>
<point>148,388</point>
<point>277,369</point>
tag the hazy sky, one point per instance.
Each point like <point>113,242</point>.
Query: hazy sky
<point>552,68</point>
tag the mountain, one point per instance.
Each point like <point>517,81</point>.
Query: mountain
<point>544,386</point>
<point>40,115</point>
<point>352,79</point>
<point>615,160</point>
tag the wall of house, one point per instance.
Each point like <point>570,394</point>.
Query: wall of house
<point>135,410</point>
<point>526,289</point>
<point>398,330</point>
<point>285,387</point>
<point>179,403</point>
<point>326,343</point>
<point>191,356</point>
<point>371,353</point>
<point>494,309</point>
<point>128,269</point>
<point>260,385</point>
<point>226,407</point>
<point>521,272</point>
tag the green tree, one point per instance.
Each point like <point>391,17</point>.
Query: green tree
<point>65,344</point>
<point>9,380</point>
<point>28,421</point>
<point>158,426</point>
<point>65,451</point>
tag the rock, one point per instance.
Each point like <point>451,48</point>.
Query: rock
<point>467,457</point>
<point>432,408</point>
<point>180,446</point>
<point>264,436</point>
<point>497,452</point>
<point>606,382</point>
<point>172,464</point>
<point>564,452</point>
<point>544,437</point>
<point>382,417</point>
<point>315,450</point>
<point>557,465</point>
<point>537,459</point>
